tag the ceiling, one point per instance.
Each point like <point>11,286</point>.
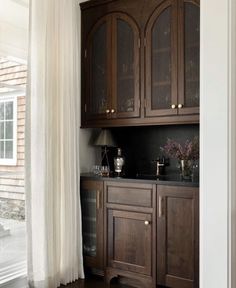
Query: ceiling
<point>15,12</point>
<point>24,3</point>
<point>14,18</point>
<point>14,22</point>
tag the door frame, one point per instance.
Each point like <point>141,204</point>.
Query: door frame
<point>218,144</point>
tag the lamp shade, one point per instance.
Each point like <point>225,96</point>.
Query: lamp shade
<point>105,139</point>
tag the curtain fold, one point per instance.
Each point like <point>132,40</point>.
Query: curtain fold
<point>52,127</point>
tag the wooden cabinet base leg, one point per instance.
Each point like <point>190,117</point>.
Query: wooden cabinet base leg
<point>145,281</point>
<point>109,275</point>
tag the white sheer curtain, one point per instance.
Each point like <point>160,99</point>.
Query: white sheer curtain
<point>52,126</point>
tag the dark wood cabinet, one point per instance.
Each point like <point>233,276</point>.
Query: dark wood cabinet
<point>161,60</point>
<point>129,241</point>
<point>189,57</point>
<point>144,233</point>
<point>92,223</point>
<point>97,57</point>
<point>177,237</point>
<point>140,62</point>
<point>172,59</point>
<point>126,67</point>
<point>112,69</point>
<point>130,222</point>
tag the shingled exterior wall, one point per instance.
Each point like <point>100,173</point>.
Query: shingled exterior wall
<point>12,177</point>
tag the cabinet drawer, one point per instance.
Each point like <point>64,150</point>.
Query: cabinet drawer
<point>133,194</point>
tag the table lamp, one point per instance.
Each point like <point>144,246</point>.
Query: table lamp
<point>105,140</point>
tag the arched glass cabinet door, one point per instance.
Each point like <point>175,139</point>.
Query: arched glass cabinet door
<point>98,70</point>
<point>189,57</point>
<point>125,67</point>
<point>161,61</point>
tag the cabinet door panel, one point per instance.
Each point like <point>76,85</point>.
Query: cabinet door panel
<point>129,241</point>
<point>177,237</point>
<point>161,58</point>
<point>92,222</point>
<point>180,231</point>
<point>98,70</point>
<point>189,58</point>
<point>126,67</point>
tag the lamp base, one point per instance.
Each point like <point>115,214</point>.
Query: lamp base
<point>105,170</point>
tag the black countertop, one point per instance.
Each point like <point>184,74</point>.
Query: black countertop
<point>173,180</point>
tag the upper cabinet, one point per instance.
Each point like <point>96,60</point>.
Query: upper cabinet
<point>161,61</point>
<point>189,57</point>
<point>112,69</point>
<point>140,62</point>
<point>126,82</point>
<point>97,56</point>
<point>172,59</point>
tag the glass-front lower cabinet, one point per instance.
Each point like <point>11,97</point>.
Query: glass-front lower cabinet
<point>92,223</point>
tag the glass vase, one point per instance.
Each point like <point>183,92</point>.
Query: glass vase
<point>186,169</point>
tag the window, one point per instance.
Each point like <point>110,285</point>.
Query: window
<point>8,119</point>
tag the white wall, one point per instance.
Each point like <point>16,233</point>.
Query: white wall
<point>232,146</point>
<point>215,131</point>
<point>89,155</point>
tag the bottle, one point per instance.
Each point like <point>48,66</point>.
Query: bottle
<point>119,162</point>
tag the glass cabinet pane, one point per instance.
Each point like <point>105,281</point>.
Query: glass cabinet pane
<point>125,67</point>
<point>89,222</point>
<point>161,61</point>
<point>98,97</point>
<point>192,53</point>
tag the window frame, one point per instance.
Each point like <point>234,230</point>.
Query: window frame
<point>11,161</point>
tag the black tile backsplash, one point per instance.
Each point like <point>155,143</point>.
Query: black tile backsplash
<point>141,146</point>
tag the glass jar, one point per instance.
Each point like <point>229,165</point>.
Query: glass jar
<point>119,162</point>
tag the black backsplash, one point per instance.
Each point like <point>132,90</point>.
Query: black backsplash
<point>141,146</point>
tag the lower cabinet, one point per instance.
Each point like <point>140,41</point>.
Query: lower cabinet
<point>92,223</point>
<point>145,233</point>
<point>129,241</point>
<point>177,237</point>
<point>130,227</point>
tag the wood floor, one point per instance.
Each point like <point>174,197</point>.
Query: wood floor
<point>93,282</point>
<point>97,282</point>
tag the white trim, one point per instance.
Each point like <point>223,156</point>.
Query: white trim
<point>13,161</point>
<point>232,146</point>
<point>14,87</point>
<point>218,144</point>
<point>17,60</point>
<point>16,93</point>
<point>214,144</point>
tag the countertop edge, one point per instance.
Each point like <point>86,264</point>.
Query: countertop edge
<point>134,180</point>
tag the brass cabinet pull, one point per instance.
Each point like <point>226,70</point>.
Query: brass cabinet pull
<point>108,111</point>
<point>112,111</point>
<point>173,106</point>
<point>160,206</point>
<point>146,222</point>
<point>180,106</point>
<point>98,199</point>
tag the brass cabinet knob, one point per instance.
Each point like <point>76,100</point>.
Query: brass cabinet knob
<point>108,111</point>
<point>146,222</point>
<point>180,106</point>
<point>173,106</point>
<point>112,111</point>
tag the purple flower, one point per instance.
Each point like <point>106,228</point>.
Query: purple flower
<point>188,151</point>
